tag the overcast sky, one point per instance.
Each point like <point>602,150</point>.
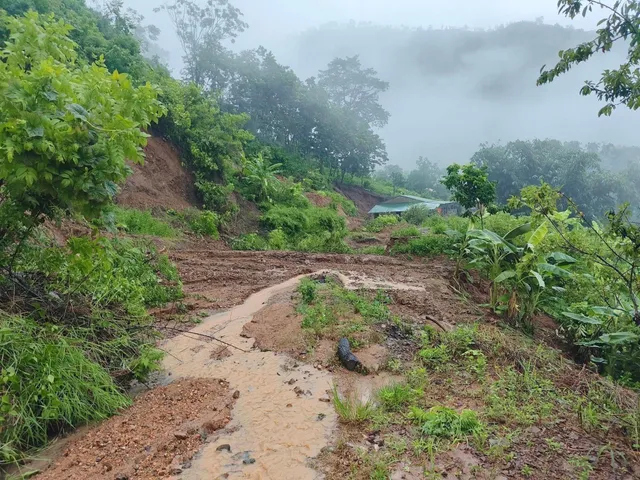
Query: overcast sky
<point>272,21</point>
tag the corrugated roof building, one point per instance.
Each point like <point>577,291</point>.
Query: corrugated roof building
<point>402,203</point>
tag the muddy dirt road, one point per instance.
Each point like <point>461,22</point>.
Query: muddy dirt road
<point>281,416</point>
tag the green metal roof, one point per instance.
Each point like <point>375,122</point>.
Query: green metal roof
<point>400,204</point>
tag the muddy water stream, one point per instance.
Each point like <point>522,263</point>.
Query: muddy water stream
<point>279,421</point>
<point>274,430</point>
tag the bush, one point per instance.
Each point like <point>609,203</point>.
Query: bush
<point>251,241</point>
<point>292,221</point>
<point>406,232</point>
<point>379,223</point>
<point>142,223</point>
<point>417,214</point>
<point>277,240</point>
<point>204,223</point>
<point>426,245</point>
<point>215,197</point>
<point>308,289</point>
<point>47,384</point>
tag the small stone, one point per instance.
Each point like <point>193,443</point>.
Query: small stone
<point>292,381</point>
<point>122,476</point>
<point>533,430</point>
<point>223,447</point>
<point>176,470</point>
<point>236,394</point>
<point>181,435</point>
<point>321,416</point>
<point>289,405</point>
<point>324,399</point>
<point>249,461</point>
<point>298,391</point>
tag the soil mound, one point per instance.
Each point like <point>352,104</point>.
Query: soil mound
<point>364,199</point>
<point>161,182</point>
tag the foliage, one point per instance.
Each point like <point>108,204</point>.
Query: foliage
<point>425,179</point>
<point>575,168</point>
<point>249,241</point>
<point>67,128</point>
<point>445,422</point>
<point>406,232</point>
<point>308,289</point>
<point>425,245</point>
<point>355,90</point>
<point>395,397</point>
<point>260,178</point>
<point>470,186</point>
<point>204,223</point>
<point>417,214</point>
<point>47,384</point>
<point>201,31</point>
<point>351,409</point>
<point>380,223</point>
<point>618,86</point>
<point>142,223</point>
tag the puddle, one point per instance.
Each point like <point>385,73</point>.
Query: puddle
<point>274,430</point>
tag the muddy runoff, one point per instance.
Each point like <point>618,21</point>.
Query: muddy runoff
<point>282,416</point>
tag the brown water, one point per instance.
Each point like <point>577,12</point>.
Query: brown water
<point>272,425</point>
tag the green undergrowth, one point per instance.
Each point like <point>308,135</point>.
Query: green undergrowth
<point>74,330</point>
<point>330,311</point>
<point>169,224</point>
<point>494,389</point>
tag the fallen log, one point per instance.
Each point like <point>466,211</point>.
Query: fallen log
<point>347,358</point>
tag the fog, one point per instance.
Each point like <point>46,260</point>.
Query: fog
<point>462,72</point>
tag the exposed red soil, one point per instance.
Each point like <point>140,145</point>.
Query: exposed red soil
<point>151,440</point>
<point>363,199</point>
<point>161,182</point>
<point>318,200</point>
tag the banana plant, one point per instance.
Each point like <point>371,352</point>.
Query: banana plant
<point>521,273</point>
<point>262,177</point>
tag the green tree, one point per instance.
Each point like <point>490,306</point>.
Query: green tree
<point>616,87</point>
<point>66,129</point>
<point>425,179</point>
<point>398,180</point>
<point>201,31</point>
<point>355,89</point>
<point>470,186</point>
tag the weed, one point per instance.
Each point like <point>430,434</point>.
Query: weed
<point>372,250</point>
<point>351,409</point>
<point>394,365</point>
<point>555,447</point>
<point>521,398</point>
<point>527,471</point>
<point>379,223</point>
<point>406,232</point>
<point>308,289</point>
<point>477,362</point>
<point>445,422</point>
<point>142,223</point>
<point>582,466</point>
<point>317,317</point>
<point>395,397</point>
<point>435,357</point>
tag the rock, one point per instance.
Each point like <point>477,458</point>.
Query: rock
<point>534,430</point>
<point>181,435</point>
<point>298,391</point>
<point>321,416</point>
<point>175,470</point>
<point>348,359</point>
<point>122,476</point>
<point>289,405</point>
<point>236,394</point>
<point>223,447</point>
<point>324,399</point>
<point>249,461</point>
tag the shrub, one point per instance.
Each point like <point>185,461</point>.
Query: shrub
<point>292,221</point>
<point>47,384</point>
<point>203,223</point>
<point>426,245</point>
<point>251,241</point>
<point>417,214</point>
<point>406,232</point>
<point>308,289</point>
<point>379,223</point>
<point>445,422</point>
<point>277,240</point>
<point>142,223</point>
<point>215,197</point>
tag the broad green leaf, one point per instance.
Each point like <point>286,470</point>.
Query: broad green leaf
<point>582,318</point>
<point>516,232</point>
<point>553,270</point>
<point>561,259</point>
<point>618,338</point>
<point>505,276</point>
<point>607,311</point>
<point>538,277</point>
<point>536,237</point>
<point>78,111</point>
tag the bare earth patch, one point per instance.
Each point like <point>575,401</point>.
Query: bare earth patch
<point>155,438</point>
